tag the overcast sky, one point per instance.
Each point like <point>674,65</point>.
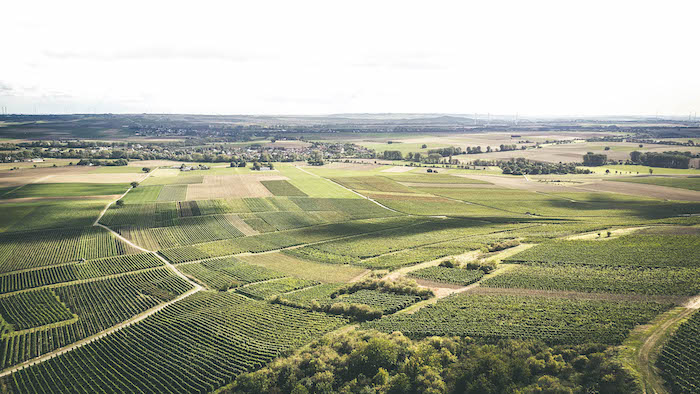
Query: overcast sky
<point>300,57</point>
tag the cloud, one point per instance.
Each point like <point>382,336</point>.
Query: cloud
<point>158,53</point>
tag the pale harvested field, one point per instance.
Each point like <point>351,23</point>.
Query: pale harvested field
<point>351,166</point>
<point>238,223</point>
<point>165,172</point>
<point>640,189</point>
<point>399,169</point>
<point>231,186</point>
<point>518,182</point>
<point>154,163</point>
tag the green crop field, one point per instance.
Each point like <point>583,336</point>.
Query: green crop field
<point>218,278</point>
<point>525,317</point>
<point>601,279</point>
<point>66,190</point>
<point>456,276</point>
<point>631,250</point>
<point>678,359</point>
<point>690,183</point>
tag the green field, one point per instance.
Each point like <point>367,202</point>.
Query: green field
<point>66,190</point>
<point>389,273</point>
<point>623,169</point>
<point>549,319</point>
<point>692,183</point>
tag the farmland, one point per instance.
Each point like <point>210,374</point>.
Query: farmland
<point>205,274</point>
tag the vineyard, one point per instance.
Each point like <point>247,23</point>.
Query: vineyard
<point>20,251</point>
<point>456,276</point>
<point>33,309</point>
<point>271,288</point>
<point>271,260</point>
<point>277,240</point>
<point>282,188</point>
<point>550,319</point>
<point>630,250</point>
<point>196,345</point>
<point>98,304</point>
<point>228,272</point>
<point>678,360</point>
<point>603,279</point>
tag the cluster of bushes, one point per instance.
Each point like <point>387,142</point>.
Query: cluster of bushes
<point>360,312</point>
<point>372,362</point>
<point>496,246</point>
<point>665,159</point>
<point>522,166</point>
<point>97,162</point>
<point>402,286</point>
<point>594,159</point>
<point>485,266</point>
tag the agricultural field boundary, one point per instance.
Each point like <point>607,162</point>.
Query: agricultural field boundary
<point>196,288</point>
<point>642,347</point>
<point>352,191</point>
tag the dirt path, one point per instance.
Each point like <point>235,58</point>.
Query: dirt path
<point>647,342</point>
<point>135,319</point>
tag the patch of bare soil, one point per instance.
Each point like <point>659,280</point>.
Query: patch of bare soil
<point>231,186</point>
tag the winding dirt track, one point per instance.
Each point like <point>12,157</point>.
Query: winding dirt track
<point>646,355</point>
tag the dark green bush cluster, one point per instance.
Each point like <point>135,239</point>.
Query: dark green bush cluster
<point>403,286</point>
<point>370,362</point>
<point>496,246</point>
<point>360,312</point>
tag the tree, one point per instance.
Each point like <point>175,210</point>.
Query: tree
<point>134,184</point>
<point>607,148</point>
<point>424,146</point>
<point>146,169</point>
<point>651,171</point>
<point>120,203</point>
<point>392,155</point>
<point>256,166</point>
<point>635,156</point>
<point>593,159</point>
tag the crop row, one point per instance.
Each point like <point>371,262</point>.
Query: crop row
<point>678,361</point>
<point>457,276</point>
<point>426,233</point>
<point>20,251</point>
<point>21,280</point>
<point>228,272</point>
<point>282,239</point>
<point>98,304</point>
<point>632,250</point>
<point>265,290</point>
<point>161,214</point>
<point>282,188</point>
<point>196,345</point>
<point>33,309</point>
<point>553,320</point>
<point>603,279</point>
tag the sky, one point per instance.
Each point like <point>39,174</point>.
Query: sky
<point>533,58</point>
